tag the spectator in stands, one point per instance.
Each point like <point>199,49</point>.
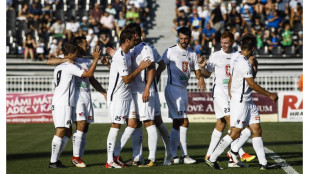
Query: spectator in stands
<point>107,22</point>
<point>273,41</point>
<point>195,34</point>
<point>92,40</point>
<point>183,7</point>
<point>53,52</point>
<point>40,49</point>
<point>181,24</point>
<point>57,29</point>
<point>141,6</point>
<point>257,25</point>
<point>182,17</point>
<point>259,39</point>
<point>286,36</point>
<point>84,25</point>
<point>259,11</point>
<point>246,18</point>
<point>110,10</point>
<point>120,23</point>
<point>217,18</point>
<point>94,24</point>
<point>35,8</point>
<point>294,3</point>
<point>205,14</point>
<point>141,24</point>
<point>274,20</point>
<point>234,19</point>
<point>118,5</point>
<point>296,19</point>
<point>104,41</point>
<point>29,47</point>
<point>197,48</point>
<point>196,21</point>
<point>208,35</point>
<point>132,14</point>
<point>96,12</point>
<point>72,27</point>
<point>22,14</point>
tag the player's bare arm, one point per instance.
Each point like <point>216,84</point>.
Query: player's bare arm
<point>150,77</point>
<point>254,63</point>
<point>202,62</point>
<point>96,56</point>
<point>143,65</point>
<point>201,83</point>
<point>160,69</point>
<point>253,85</point>
<point>229,87</point>
<point>57,61</point>
<point>110,51</point>
<point>96,84</point>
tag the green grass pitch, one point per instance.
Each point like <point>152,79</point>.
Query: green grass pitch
<point>29,146</point>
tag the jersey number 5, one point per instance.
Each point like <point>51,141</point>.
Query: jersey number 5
<point>58,77</point>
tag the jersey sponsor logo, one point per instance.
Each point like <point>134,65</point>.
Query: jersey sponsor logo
<point>185,66</point>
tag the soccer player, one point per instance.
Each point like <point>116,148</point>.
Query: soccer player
<point>63,100</point>
<point>120,100</point>
<point>243,111</point>
<point>180,61</point>
<point>219,64</point>
<point>84,110</point>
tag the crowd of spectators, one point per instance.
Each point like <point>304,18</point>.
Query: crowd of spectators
<point>39,28</point>
<point>277,24</point>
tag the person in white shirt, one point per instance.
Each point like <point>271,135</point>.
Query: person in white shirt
<point>120,101</point>
<point>92,39</point>
<point>243,111</point>
<point>83,110</point>
<point>180,61</point>
<point>71,27</point>
<point>219,63</point>
<point>63,100</point>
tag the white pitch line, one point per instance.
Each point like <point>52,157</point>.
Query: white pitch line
<point>287,168</point>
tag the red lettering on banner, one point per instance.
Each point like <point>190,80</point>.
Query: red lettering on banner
<point>289,101</point>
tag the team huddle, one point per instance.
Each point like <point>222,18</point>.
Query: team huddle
<point>133,99</point>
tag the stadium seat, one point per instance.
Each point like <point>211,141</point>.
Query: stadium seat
<point>263,50</point>
<point>277,50</point>
<point>290,50</point>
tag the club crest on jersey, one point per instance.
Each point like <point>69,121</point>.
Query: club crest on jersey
<point>185,66</point>
<point>81,114</point>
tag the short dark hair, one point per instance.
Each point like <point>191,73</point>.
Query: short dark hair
<point>135,28</point>
<point>185,31</point>
<point>228,34</point>
<point>69,47</point>
<point>248,41</point>
<point>126,34</point>
<point>78,40</point>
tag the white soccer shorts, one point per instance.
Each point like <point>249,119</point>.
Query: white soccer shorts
<point>62,116</point>
<point>144,110</point>
<point>157,105</point>
<point>120,110</point>
<point>177,101</point>
<point>222,107</point>
<point>243,114</point>
<point>84,111</point>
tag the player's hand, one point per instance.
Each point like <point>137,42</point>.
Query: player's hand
<point>96,53</point>
<point>201,84</point>
<point>105,61</point>
<point>145,96</point>
<point>273,97</point>
<point>202,62</point>
<point>144,64</point>
<point>110,51</point>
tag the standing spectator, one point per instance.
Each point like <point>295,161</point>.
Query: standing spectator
<point>218,18</point>
<point>72,27</point>
<point>92,40</point>
<point>96,12</point>
<point>286,36</point>
<point>57,29</point>
<point>29,46</point>
<point>208,35</point>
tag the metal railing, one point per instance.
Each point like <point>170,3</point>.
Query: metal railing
<point>273,82</point>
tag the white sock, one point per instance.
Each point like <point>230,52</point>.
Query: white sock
<point>241,152</point>
<point>239,142</point>
<point>183,140</point>
<point>77,140</point>
<point>166,138</point>
<point>83,145</point>
<point>56,145</point>
<point>215,138</point>
<point>152,142</point>
<point>123,140</point>
<point>64,143</point>
<point>111,140</point>
<point>223,144</point>
<point>174,135</point>
<point>258,146</point>
<point>137,144</point>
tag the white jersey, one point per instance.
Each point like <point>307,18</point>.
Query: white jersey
<point>64,82</point>
<point>141,52</point>
<point>219,64</point>
<point>180,63</point>
<point>121,65</point>
<point>242,69</point>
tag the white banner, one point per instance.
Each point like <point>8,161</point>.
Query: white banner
<point>290,106</point>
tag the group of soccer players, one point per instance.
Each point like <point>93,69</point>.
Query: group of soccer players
<point>133,99</point>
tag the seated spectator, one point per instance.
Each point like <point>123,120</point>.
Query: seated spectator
<point>273,41</point>
<point>84,25</point>
<point>57,29</point>
<point>40,49</point>
<point>296,19</point>
<point>104,41</point>
<point>246,17</point>
<point>29,47</point>
<point>274,20</point>
<point>197,48</point>
<point>182,17</point>
<point>183,7</point>
<point>72,27</point>
<point>259,40</point>
<point>110,10</point>
<point>35,9</point>
<point>118,5</point>
<point>107,22</point>
<point>181,24</point>
<point>53,52</point>
<point>96,12</point>
<point>293,4</point>
<point>208,35</point>
<point>286,36</point>
<point>195,34</point>
<point>22,14</point>
<point>257,25</point>
<point>132,14</point>
<point>234,19</point>
<point>196,21</point>
<point>141,24</point>
<point>141,7</point>
<point>94,24</point>
<point>205,14</point>
<point>120,23</point>
<point>92,40</point>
